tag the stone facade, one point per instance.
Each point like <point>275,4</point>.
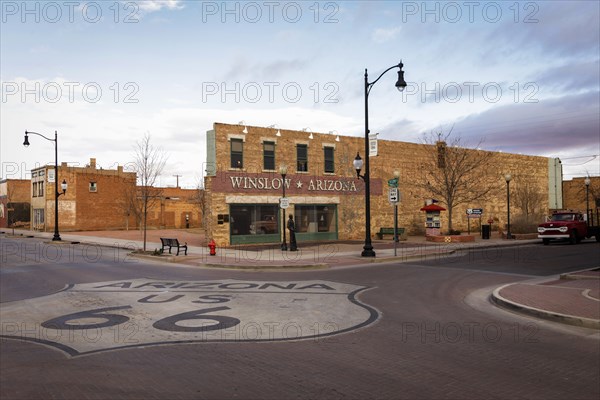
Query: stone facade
<point>574,194</point>
<point>228,184</point>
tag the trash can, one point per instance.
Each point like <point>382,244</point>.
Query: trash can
<point>485,231</point>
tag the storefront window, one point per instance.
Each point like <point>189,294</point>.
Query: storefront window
<point>251,219</point>
<point>317,221</point>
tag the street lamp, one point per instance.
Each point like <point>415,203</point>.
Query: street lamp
<point>283,172</point>
<point>63,184</point>
<point>400,85</point>
<point>587,182</point>
<point>508,178</point>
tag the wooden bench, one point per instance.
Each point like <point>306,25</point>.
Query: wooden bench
<point>170,243</point>
<point>390,231</point>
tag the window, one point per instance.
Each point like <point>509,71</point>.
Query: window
<point>237,153</point>
<point>250,219</point>
<point>329,161</point>
<point>302,157</point>
<point>41,188</point>
<point>315,218</point>
<point>269,156</point>
<point>34,189</point>
<point>93,187</point>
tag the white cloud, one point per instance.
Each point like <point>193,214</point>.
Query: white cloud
<point>157,5</point>
<point>382,35</point>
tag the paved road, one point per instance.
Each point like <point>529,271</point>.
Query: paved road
<point>435,335</point>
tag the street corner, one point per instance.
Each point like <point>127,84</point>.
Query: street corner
<point>572,302</point>
<point>94,317</point>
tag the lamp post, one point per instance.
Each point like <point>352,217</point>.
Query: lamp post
<point>283,172</point>
<point>64,182</point>
<point>587,182</point>
<point>395,181</point>
<point>400,85</point>
<point>508,178</point>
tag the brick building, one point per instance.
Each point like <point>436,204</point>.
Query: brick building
<point>105,199</point>
<point>96,198</point>
<point>14,203</point>
<point>243,185</point>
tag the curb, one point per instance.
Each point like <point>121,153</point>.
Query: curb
<point>544,314</point>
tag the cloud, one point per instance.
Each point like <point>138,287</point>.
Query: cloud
<point>382,35</point>
<point>149,6</point>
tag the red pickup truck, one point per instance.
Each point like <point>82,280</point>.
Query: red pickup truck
<point>569,225</point>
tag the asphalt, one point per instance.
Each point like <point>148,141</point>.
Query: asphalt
<point>572,298</point>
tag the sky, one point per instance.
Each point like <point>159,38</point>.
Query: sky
<point>519,77</point>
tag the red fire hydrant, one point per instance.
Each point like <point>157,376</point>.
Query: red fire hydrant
<point>213,247</point>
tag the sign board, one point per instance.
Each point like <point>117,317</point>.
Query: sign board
<point>393,195</point>
<point>51,175</point>
<point>476,212</point>
<point>284,202</point>
<point>373,145</point>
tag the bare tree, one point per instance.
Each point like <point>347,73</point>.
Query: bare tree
<point>457,174</point>
<point>149,162</point>
<point>528,198</point>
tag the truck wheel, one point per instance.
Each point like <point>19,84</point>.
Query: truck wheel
<point>573,237</point>
<point>546,242</point>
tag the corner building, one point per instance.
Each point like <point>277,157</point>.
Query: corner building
<point>243,185</point>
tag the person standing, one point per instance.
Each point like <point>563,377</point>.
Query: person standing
<point>292,228</point>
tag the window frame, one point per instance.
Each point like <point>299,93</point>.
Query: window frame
<point>331,161</point>
<point>233,153</point>
<point>269,157</point>
<point>301,167</point>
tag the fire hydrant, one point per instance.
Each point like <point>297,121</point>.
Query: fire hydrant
<point>213,247</point>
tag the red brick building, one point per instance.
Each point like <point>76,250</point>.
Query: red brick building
<point>14,203</point>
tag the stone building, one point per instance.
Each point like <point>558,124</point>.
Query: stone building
<point>574,193</point>
<point>14,203</point>
<point>243,185</point>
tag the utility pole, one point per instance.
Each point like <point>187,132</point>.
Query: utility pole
<point>177,176</point>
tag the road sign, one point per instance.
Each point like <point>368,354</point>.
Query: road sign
<point>475,211</point>
<point>393,195</point>
<point>284,202</point>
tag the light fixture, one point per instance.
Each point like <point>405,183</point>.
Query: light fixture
<point>358,164</point>
<point>278,134</point>
<point>56,236</point>
<point>308,130</point>
<point>401,83</point>
<point>242,122</point>
<point>337,136</point>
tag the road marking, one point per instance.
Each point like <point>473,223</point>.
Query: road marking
<point>93,317</point>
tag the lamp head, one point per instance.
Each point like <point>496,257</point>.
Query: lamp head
<point>508,178</point>
<point>401,83</point>
<point>587,181</point>
<point>26,141</point>
<point>358,163</point>
<point>396,174</point>
<point>63,185</point>
<point>283,169</point>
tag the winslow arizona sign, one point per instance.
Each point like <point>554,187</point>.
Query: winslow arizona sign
<point>92,317</point>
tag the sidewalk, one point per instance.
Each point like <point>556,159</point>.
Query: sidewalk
<point>309,255</point>
<point>574,299</point>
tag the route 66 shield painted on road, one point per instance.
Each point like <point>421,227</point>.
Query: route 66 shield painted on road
<point>92,317</point>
